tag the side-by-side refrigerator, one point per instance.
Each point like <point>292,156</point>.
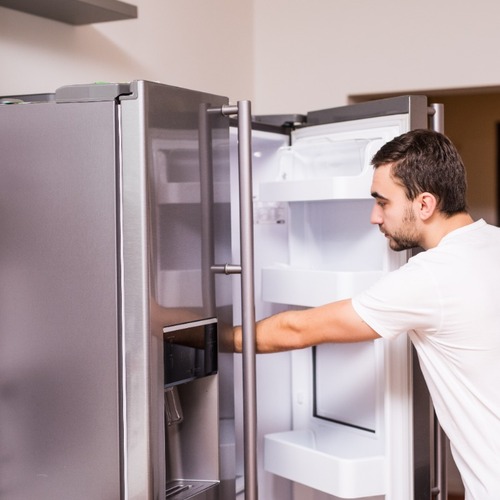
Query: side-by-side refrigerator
<point>135,224</point>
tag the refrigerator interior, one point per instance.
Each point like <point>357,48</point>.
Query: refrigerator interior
<point>329,405</point>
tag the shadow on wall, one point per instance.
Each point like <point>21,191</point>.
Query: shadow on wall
<point>39,55</point>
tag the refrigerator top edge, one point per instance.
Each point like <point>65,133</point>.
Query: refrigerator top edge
<point>414,105</point>
<point>89,92</point>
<point>26,98</point>
<point>381,107</point>
<point>92,92</point>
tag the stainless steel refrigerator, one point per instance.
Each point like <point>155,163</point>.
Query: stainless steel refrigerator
<point>121,212</point>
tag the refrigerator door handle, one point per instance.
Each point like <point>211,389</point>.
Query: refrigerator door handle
<point>243,111</point>
<point>436,117</point>
<point>247,298</point>
<point>439,489</point>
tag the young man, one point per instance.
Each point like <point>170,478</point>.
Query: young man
<point>446,299</point>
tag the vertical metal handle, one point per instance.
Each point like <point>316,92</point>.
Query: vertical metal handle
<point>436,115</point>
<point>247,298</point>
<point>246,269</point>
<point>439,488</point>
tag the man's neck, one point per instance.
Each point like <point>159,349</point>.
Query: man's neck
<point>440,226</point>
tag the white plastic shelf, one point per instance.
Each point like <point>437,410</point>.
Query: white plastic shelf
<point>328,188</point>
<point>322,168</point>
<point>311,288</point>
<point>347,466</point>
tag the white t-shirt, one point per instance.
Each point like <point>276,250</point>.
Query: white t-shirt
<point>448,300</point>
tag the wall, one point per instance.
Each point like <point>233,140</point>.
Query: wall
<point>313,54</point>
<point>189,43</point>
<point>284,55</point>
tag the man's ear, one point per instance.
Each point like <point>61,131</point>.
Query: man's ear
<point>426,205</point>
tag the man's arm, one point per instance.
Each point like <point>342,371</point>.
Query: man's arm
<point>334,322</point>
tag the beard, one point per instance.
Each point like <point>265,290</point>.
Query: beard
<point>406,236</point>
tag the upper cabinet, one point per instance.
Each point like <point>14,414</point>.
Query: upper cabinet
<point>76,12</point>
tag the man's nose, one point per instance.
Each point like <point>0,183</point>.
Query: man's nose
<point>376,215</point>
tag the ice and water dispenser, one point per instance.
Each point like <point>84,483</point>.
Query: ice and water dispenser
<point>191,412</point>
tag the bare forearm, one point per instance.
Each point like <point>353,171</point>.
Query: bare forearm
<point>335,322</point>
<point>274,334</point>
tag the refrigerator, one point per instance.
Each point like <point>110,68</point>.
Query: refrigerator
<point>139,224</point>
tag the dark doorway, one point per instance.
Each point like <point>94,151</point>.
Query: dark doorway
<point>498,172</point>
<point>471,120</point>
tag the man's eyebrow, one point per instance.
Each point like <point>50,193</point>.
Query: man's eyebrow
<point>379,196</point>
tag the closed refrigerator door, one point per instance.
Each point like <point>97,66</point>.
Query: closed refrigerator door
<point>174,227</point>
<point>351,433</point>
<point>59,333</point>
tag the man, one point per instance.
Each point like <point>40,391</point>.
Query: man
<point>446,298</point>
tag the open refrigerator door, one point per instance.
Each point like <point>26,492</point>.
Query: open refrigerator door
<point>335,420</point>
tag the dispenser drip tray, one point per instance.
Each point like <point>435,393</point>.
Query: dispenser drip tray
<point>184,489</point>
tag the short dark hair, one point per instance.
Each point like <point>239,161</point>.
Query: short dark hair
<point>427,161</point>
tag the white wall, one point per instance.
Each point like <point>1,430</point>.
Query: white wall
<point>198,44</point>
<point>284,55</point>
<point>313,54</point>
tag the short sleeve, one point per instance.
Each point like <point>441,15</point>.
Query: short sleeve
<point>403,300</point>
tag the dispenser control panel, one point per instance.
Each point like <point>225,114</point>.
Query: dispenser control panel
<point>190,351</point>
